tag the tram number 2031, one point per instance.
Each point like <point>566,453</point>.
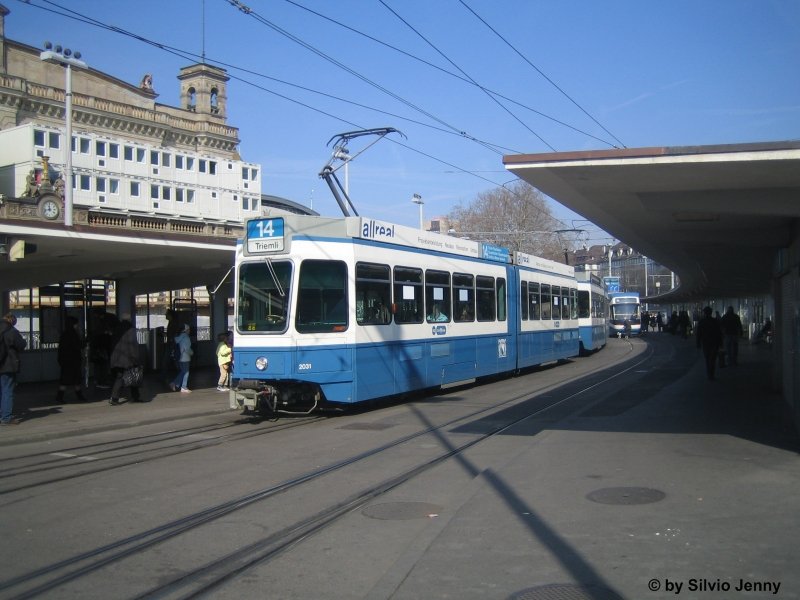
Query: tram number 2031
<point>304,367</point>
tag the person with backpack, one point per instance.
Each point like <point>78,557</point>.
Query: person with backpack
<point>11,345</point>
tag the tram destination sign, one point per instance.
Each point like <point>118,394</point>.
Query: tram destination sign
<point>265,235</point>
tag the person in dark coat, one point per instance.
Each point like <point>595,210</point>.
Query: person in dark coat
<point>168,359</point>
<point>101,344</point>
<point>732,330</point>
<point>709,338</point>
<point>12,346</point>
<point>124,356</point>
<point>69,359</point>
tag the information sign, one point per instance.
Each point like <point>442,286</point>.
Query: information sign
<point>612,284</point>
<point>265,235</point>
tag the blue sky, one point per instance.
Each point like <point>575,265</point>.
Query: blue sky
<point>575,75</point>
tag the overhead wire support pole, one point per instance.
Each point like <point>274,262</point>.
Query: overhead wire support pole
<point>342,199</point>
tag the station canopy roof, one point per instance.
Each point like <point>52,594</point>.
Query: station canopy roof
<point>715,215</point>
<point>153,260</point>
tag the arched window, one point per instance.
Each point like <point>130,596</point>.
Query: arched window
<point>192,98</point>
<point>214,105</point>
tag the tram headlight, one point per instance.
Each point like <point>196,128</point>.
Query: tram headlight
<point>262,363</point>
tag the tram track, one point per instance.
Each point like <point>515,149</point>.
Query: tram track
<point>216,572</point>
<point>92,459</point>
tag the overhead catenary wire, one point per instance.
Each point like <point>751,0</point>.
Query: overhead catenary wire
<point>538,70</point>
<point>79,17</point>
<point>266,22</point>
<point>450,73</point>
<point>71,14</point>
<point>484,90</point>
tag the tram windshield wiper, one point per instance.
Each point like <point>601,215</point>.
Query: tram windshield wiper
<point>274,276</point>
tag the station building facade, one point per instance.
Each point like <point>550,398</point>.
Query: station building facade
<point>130,154</point>
<point>137,164</point>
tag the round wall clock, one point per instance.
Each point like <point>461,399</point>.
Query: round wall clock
<point>50,209</point>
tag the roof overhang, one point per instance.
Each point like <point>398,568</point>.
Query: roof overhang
<point>715,215</point>
<point>153,260</point>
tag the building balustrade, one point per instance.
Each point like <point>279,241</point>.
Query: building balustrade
<point>23,209</point>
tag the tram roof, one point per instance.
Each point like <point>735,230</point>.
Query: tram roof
<point>719,216</point>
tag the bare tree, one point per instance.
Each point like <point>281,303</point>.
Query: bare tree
<point>515,216</point>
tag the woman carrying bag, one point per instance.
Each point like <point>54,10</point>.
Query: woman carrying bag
<point>125,363</point>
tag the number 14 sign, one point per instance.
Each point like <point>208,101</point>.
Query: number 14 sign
<point>264,235</point>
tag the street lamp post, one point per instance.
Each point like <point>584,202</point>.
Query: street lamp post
<point>417,199</point>
<point>342,154</point>
<point>67,59</point>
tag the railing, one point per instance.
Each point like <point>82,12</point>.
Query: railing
<point>103,219</point>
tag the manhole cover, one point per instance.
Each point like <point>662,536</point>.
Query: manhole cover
<point>402,511</point>
<point>367,426</point>
<point>626,495</point>
<point>566,591</point>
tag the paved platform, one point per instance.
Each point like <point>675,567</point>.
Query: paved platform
<point>690,490</point>
<point>43,417</point>
<point>676,486</point>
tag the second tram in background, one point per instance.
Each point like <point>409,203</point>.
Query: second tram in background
<point>335,311</point>
<point>624,316</point>
<point>592,312</point>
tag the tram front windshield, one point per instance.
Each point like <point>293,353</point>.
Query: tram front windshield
<point>263,298</point>
<point>621,312</point>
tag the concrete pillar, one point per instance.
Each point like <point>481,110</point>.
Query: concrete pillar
<point>126,299</point>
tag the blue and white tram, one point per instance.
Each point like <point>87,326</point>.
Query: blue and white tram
<point>339,311</point>
<point>592,312</point>
<point>548,310</point>
<point>624,314</point>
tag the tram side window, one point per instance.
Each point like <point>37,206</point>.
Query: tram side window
<point>463,298</point>
<point>321,296</point>
<point>565,308</point>
<point>486,299</point>
<point>573,303</point>
<point>500,288</point>
<point>523,300</point>
<point>408,295</point>
<point>599,306</point>
<point>437,296</point>
<point>546,306</point>
<point>263,297</point>
<point>583,305</point>
<point>534,301</point>
<point>373,294</point>
<point>555,309</point>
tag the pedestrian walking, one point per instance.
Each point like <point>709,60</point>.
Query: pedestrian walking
<point>11,346</point>
<point>70,361</point>
<point>124,356</point>
<point>732,330</point>
<point>709,338</point>
<point>184,342</point>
